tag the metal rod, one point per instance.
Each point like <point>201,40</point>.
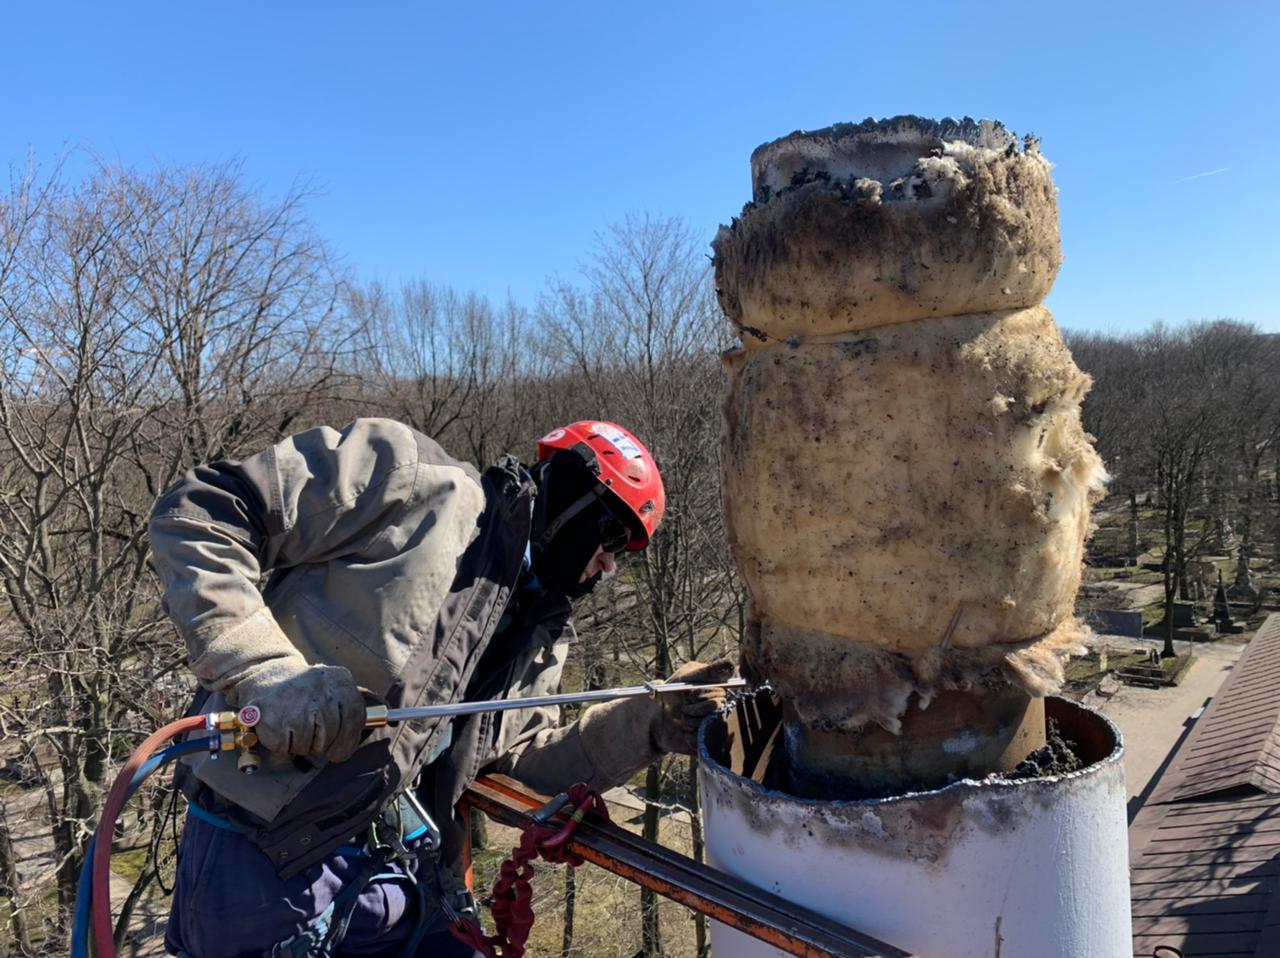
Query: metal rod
<point>381,716</point>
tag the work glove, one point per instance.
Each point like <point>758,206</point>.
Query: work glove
<point>678,714</point>
<point>313,711</point>
<point>618,738</point>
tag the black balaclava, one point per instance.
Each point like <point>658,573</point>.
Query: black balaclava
<point>559,560</point>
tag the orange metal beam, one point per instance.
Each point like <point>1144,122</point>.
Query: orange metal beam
<point>792,928</point>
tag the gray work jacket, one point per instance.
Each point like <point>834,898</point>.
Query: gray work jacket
<point>365,534</point>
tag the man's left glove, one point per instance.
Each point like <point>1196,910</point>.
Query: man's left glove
<point>625,735</point>
<point>675,724</point>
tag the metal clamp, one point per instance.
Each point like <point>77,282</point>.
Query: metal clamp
<point>549,810</point>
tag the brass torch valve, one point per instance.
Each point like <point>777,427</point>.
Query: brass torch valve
<point>235,731</point>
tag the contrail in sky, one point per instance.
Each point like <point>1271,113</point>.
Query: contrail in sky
<point>1196,176</point>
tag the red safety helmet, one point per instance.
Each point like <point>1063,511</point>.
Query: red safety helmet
<point>623,465</point>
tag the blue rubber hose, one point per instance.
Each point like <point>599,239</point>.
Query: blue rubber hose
<point>80,922</point>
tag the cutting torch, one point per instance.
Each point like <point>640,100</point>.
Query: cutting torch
<point>235,729</point>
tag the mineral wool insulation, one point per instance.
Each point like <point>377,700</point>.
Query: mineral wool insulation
<point>906,480</point>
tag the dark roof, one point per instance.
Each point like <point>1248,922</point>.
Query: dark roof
<point>1236,743</point>
<point>1205,849</point>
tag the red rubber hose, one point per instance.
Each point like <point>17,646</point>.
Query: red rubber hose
<point>103,931</point>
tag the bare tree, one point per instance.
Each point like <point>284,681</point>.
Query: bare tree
<point>420,352</point>
<point>1184,374</point>
<point>241,302</point>
<point>640,341</point>
<point>1245,394</point>
<point>1112,415</point>
<point>146,322</point>
<point>505,373</point>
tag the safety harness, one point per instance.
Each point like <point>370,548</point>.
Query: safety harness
<point>403,834</point>
<point>406,834</point>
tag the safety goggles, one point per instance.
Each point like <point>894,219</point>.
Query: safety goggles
<point>614,533</point>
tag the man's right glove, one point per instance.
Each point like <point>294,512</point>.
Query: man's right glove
<point>315,711</point>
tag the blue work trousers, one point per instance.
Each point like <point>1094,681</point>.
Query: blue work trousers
<point>228,902</point>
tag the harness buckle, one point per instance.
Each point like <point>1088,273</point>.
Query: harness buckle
<point>432,835</point>
<point>404,830</point>
<point>459,905</point>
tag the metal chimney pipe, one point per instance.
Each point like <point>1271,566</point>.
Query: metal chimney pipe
<point>981,868</point>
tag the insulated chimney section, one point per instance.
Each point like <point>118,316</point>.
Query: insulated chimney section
<point>907,488</point>
<point>906,480</point>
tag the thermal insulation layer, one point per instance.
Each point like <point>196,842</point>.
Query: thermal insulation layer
<point>906,480</point>
<point>863,225</point>
<point>974,870</point>
<point>908,506</point>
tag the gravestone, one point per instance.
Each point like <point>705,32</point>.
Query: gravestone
<point>1243,591</point>
<point>1184,615</point>
<point>1115,621</point>
<point>1221,609</point>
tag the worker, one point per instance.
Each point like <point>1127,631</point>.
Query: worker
<point>395,569</point>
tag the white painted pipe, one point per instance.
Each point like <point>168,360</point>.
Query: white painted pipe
<point>978,869</point>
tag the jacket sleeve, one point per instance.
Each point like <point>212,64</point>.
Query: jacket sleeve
<point>604,748</point>
<point>607,744</point>
<point>312,497</point>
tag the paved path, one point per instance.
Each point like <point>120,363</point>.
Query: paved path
<point>1153,720</point>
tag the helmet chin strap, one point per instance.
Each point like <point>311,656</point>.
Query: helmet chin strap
<point>544,537</point>
<point>545,531</point>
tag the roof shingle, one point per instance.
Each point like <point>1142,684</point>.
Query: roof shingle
<point>1205,850</point>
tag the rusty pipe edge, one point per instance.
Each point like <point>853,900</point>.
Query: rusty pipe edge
<point>975,868</point>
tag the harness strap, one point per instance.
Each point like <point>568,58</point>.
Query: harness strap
<point>227,825</point>
<point>209,818</point>
<point>387,841</point>
<point>325,932</point>
<point>420,929</point>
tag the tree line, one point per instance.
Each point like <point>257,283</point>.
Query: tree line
<point>1187,420</point>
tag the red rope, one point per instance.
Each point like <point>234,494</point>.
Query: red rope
<point>513,893</point>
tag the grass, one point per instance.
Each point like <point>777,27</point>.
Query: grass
<point>1253,623</point>
<point>130,864</point>
<point>1153,615</point>
<point>43,922</point>
<point>1085,672</point>
<point>1181,664</point>
<point>1110,539</point>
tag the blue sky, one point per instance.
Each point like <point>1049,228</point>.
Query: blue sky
<point>484,145</point>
